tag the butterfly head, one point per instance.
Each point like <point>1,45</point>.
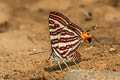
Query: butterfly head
<point>86,36</point>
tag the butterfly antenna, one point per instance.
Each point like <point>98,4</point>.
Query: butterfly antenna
<point>92,28</point>
<point>98,40</point>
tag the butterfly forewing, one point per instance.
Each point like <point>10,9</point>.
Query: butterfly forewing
<point>64,35</point>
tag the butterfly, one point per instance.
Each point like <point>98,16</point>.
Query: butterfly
<point>66,37</point>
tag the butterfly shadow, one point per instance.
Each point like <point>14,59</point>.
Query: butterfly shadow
<point>56,67</point>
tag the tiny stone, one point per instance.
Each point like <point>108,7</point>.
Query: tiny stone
<point>112,49</point>
<point>33,50</point>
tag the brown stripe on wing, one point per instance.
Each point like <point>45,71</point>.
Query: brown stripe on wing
<point>56,49</point>
<point>66,32</point>
<point>71,52</point>
<point>75,29</point>
<point>51,22</point>
<point>58,31</point>
<point>67,47</point>
<point>55,26</point>
<point>61,16</point>
<point>64,40</point>
<point>57,19</point>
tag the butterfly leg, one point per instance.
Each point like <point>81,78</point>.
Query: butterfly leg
<point>75,63</point>
<point>66,64</point>
<point>52,66</point>
<point>76,56</point>
<point>59,65</point>
<point>51,63</point>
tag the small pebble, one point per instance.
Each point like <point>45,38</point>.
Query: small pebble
<point>112,49</point>
<point>33,50</point>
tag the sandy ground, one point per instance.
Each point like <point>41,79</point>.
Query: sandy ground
<point>24,29</point>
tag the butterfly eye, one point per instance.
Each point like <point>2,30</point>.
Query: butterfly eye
<point>87,33</point>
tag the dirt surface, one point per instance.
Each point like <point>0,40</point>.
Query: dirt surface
<point>24,31</point>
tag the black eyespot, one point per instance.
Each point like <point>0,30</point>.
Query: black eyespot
<point>89,40</point>
<point>87,33</point>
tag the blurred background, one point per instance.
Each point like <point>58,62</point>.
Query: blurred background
<point>24,30</point>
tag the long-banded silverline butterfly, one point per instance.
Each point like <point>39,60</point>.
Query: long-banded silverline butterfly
<point>66,37</point>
